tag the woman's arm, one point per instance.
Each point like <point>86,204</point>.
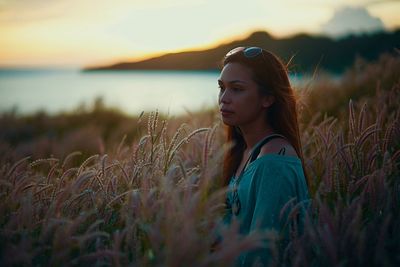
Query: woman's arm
<point>276,183</point>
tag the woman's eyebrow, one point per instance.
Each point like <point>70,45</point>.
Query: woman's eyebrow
<point>233,81</point>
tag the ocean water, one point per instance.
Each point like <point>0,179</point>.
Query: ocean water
<point>57,90</point>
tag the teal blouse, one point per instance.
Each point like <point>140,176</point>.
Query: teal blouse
<point>266,185</point>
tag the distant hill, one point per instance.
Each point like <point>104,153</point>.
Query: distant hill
<point>308,51</point>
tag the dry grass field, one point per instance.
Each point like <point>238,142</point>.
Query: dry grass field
<point>99,188</point>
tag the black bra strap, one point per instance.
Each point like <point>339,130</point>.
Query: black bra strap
<point>256,150</point>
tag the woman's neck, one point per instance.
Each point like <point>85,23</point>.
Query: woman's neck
<point>252,135</point>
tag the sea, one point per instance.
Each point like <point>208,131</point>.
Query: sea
<point>26,91</point>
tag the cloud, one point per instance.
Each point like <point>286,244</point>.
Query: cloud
<point>352,20</point>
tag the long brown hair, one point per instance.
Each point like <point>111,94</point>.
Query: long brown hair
<point>272,78</point>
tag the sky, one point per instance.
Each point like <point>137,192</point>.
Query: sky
<point>78,33</point>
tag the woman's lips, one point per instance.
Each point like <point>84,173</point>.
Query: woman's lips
<point>226,112</point>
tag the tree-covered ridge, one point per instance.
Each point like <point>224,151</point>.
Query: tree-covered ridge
<point>307,52</point>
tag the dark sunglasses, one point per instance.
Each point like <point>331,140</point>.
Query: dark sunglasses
<point>249,52</point>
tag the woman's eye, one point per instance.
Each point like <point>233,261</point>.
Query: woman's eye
<point>234,89</point>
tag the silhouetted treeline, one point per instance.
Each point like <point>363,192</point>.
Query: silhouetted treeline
<point>307,52</point>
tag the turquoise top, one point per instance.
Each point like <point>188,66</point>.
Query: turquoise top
<point>266,185</point>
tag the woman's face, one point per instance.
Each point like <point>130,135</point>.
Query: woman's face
<point>240,101</point>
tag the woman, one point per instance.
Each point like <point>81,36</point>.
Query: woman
<point>264,168</point>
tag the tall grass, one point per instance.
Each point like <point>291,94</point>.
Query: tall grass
<point>355,219</point>
<point>156,199</point>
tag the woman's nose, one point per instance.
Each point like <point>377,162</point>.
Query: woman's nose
<point>224,97</point>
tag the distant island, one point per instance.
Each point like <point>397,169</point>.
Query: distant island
<point>307,52</point>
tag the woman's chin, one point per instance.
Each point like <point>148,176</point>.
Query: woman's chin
<point>228,122</point>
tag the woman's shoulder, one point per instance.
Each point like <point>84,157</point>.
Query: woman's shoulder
<point>278,146</point>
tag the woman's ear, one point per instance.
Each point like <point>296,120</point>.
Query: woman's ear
<point>268,101</point>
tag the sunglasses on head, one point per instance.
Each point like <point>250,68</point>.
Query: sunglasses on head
<point>249,52</point>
